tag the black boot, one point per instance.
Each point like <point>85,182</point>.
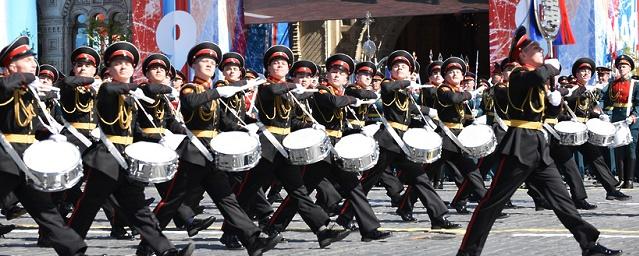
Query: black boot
<point>197,225</point>
<point>375,235</point>
<point>120,233</point>
<point>443,223</point>
<point>460,207</point>
<point>263,243</point>
<point>346,223</point>
<point>617,195</point>
<point>629,174</point>
<point>406,216</point>
<point>327,236</point>
<point>5,229</point>
<point>584,205</point>
<point>186,251</point>
<point>600,250</point>
<point>230,242</point>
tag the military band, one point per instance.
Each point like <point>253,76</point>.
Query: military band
<point>169,131</point>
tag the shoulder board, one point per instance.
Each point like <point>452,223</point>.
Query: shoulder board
<point>323,89</point>
<point>219,83</point>
<point>188,88</point>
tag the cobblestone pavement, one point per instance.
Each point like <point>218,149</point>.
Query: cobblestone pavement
<point>525,232</point>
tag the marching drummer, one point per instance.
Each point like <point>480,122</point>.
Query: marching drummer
<point>364,72</point>
<point>202,116</point>
<point>105,165</point>
<point>232,67</point>
<point>525,155</point>
<point>49,75</point>
<point>397,107</point>
<point>17,106</point>
<point>302,72</point>
<point>620,99</point>
<point>328,109</point>
<point>583,103</point>
<point>275,107</point>
<point>451,106</point>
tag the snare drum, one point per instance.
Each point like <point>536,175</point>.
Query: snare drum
<point>479,139</point>
<point>622,135</point>
<point>572,133</point>
<point>236,151</point>
<point>424,146</point>
<point>151,162</point>
<point>57,166</point>
<point>307,146</point>
<point>600,133</point>
<point>356,152</point>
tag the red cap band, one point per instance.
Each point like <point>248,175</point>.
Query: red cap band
<point>231,60</point>
<point>46,72</point>
<point>86,56</point>
<point>122,53</point>
<point>158,61</point>
<point>341,64</point>
<point>303,70</point>
<point>365,69</point>
<point>205,52</point>
<point>17,51</point>
<point>277,54</point>
<point>457,65</point>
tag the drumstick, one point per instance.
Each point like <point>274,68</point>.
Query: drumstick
<point>234,113</point>
<point>147,115</point>
<point>303,109</point>
<point>421,114</point>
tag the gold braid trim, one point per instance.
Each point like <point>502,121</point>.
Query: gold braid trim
<point>20,107</point>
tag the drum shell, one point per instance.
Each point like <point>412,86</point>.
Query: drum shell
<point>424,156</point>
<point>572,138</point>
<point>310,155</point>
<point>55,181</point>
<point>484,149</point>
<point>626,140</point>
<point>238,162</point>
<point>152,172</point>
<point>359,164</point>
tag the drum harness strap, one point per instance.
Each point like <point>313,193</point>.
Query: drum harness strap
<point>392,132</point>
<point>73,130</point>
<point>194,140</point>
<point>443,126</point>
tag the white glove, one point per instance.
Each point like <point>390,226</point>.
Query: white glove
<point>414,86</point>
<point>475,93</point>
<point>255,82</point>
<point>554,63</point>
<point>227,91</point>
<point>139,94</point>
<point>357,103</point>
<point>432,113</point>
<point>58,138</point>
<point>96,84</point>
<point>319,127</point>
<point>252,128</point>
<point>630,120</point>
<point>604,118</point>
<point>474,112</point>
<point>554,98</point>
<point>299,89</point>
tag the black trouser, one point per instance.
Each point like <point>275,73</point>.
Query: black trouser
<point>564,158</point>
<point>472,182</point>
<point>130,195</point>
<point>592,157</point>
<point>392,184</point>
<point>509,176</point>
<point>415,177</point>
<point>356,198</point>
<point>186,212</point>
<point>39,205</point>
<point>261,208</point>
<point>291,178</point>
<point>329,194</point>
<point>216,183</point>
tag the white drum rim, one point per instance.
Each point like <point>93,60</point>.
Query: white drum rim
<point>218,148</point>
<point>366,150</point>
<point>134,154</point>
<point>300,133</point>
<point>30,156</point>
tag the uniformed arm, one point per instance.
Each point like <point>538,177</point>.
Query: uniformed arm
<point>109,96</point>
<point>327,100</point>
<point>536,78</point>
<point>12,82</point>
<point>415,110</point>
<point>575,95</point>
<point>360,93</point>
<point>75,81</point>
<point>276,89</point>
<point>447,96</point>
<point>389,86</point>
<point>191,99</point>
<point>153,90</point>
<point>607,103</point>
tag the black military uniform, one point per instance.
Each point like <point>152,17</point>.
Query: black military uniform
<point>329,110</point>
<point>525,153</point>
<point>276,112</point>
<point>19,129</point>
<point>451,104</point>
<point>117,114</point>
<point>397,110</point>
<point>584,105</point>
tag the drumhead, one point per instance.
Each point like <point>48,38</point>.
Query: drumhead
<point>422,139</point>
<point>48,156</point>
<point>304,138</point>
<point>150,152</point>
<point>570,127</point>
<point>476,135</point>
<point>598,126</point>
<point>232,143</point>
<point>355,146</point>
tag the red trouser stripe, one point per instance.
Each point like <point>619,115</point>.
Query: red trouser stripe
<point>483,200</point>
<point>168,194</point>
<point>79,202</point>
